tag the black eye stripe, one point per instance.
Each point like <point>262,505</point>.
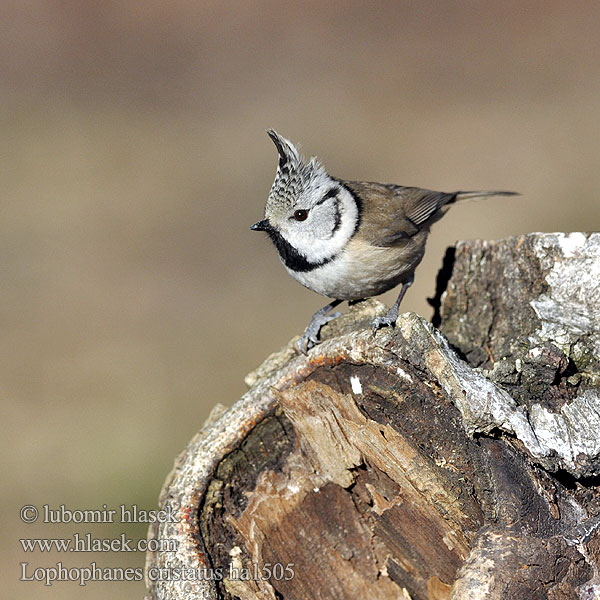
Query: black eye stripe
<point>330,193</point>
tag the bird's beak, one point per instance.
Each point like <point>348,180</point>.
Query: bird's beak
<point>263,225</point>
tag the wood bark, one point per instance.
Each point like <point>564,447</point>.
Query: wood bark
<point>455,462</point>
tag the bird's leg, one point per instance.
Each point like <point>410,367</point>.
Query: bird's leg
<point>310,337</point>
<point>389,319</point>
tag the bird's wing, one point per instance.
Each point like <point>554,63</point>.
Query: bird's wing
<point>391,214</point>
<point>422,205</point>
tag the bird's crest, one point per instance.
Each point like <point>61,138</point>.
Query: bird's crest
<point>293,175</point>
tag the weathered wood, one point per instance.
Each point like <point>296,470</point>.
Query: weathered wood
<point>527,310</point>
<point>389,467</point>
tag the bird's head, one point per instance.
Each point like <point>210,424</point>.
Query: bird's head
<point>307,209</point>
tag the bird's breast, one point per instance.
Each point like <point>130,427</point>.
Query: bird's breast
<point>362,270</point>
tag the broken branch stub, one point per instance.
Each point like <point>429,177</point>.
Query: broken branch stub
<point>390,467</point>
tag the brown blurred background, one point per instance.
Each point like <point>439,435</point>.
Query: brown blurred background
<point>134,297</point>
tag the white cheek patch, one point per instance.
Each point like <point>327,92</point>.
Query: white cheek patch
<point>317,248</point>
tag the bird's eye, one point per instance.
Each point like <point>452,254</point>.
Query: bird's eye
<point>301,215</point>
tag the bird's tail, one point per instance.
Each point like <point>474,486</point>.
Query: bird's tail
<point>465,196</point>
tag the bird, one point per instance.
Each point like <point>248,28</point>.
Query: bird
<point>348,240</point>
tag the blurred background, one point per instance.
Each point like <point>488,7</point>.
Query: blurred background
<point>134,297</point>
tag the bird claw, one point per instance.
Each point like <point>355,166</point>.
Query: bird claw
<point>388,320</point>
<point>310,337</point>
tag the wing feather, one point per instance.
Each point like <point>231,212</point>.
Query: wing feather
<point>426,205</point>
<point>392,214</point>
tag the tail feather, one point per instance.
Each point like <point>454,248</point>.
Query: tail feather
<point>463,196</point>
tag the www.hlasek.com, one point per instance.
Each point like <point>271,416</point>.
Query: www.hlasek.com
<point>88,543</point>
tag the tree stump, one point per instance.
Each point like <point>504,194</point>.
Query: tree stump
<point>428,464</point>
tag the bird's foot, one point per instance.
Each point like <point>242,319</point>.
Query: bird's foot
<point>387,320</point>
<point>390,318</point>
<point>310,337</point>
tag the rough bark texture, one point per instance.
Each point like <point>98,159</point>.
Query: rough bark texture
<point>404,466</point>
